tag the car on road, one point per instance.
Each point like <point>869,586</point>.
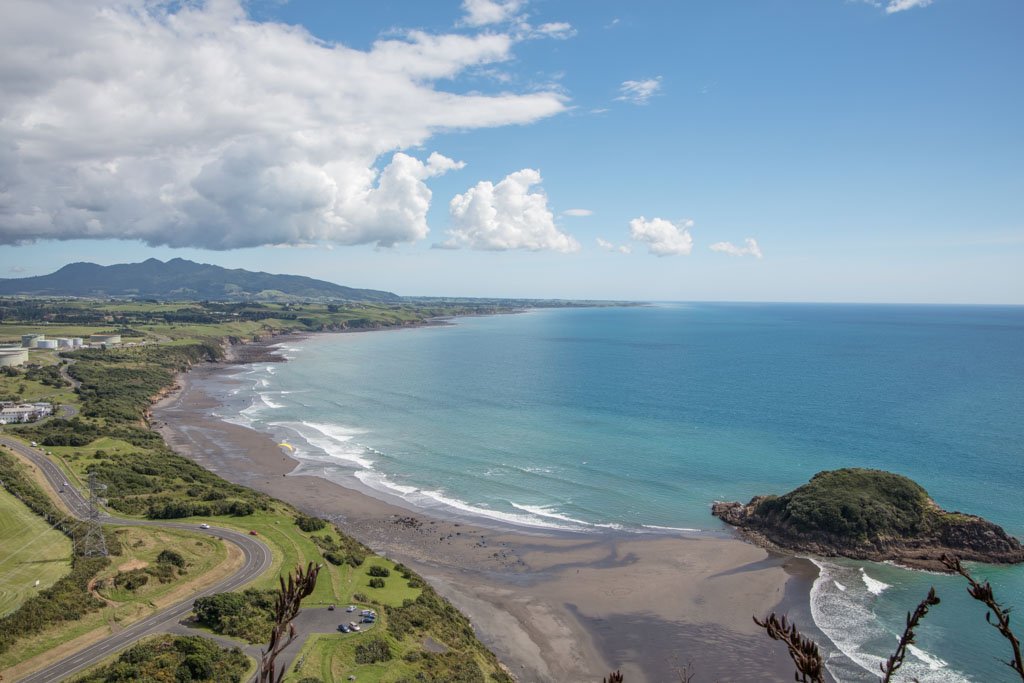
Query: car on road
<point>204,526</point>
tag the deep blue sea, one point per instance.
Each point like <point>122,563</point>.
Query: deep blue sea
<point>638,418</point>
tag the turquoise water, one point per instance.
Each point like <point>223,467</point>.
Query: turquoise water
<point>638,418</point>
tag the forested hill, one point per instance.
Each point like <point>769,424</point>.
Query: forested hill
<point>180,279</point>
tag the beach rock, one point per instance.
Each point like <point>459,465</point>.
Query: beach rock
<point>869,515</point>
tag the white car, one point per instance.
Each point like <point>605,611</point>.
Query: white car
<point>204,526</point>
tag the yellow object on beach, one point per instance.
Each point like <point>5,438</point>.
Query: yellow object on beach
<point>287,445</point>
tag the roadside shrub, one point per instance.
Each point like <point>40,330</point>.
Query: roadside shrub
<point>335,557</point>
<point>376,583</point>
<point>372,651</point>
<point>248,614</point>
<point>171,557</point>
<point>309,524</point>
<point>377,570</point>
<point>173,658</point>
<point>131,580</point>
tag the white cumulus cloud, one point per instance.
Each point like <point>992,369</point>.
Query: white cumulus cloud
<point>752,248</point>
<point>555,29</point>
<point>484,12</point>
<point>901,5</point>
<point>191,124</point>
<point>639,92</point>
<point>663,237</point>
<point>577,212</point>
<point>609,246</point>
<point>506,215</point>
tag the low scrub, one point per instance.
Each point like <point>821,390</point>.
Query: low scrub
<point>247,615</point>
<point>174,658</point>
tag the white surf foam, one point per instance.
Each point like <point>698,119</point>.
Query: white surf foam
<point>334,440</point>
<point>842,610</point>
<point>934,663</point>
<point>874,586</point>
<point>549,512</point>
<point>438,497</point>
<point>670,528</point>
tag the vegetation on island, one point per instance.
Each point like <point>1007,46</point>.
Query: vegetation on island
<point>869,514</point>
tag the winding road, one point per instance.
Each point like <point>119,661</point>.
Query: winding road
<point>257,559</point>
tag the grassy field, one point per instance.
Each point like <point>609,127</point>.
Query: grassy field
<point>291,546</point>
<point>207,559</point>
<point>21,388</point>
<point>32,552</point>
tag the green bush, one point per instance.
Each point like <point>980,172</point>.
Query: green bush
<point>248,614</point>
<point>376,583</point>
<point>372,651</point>
<point>131,580</point>
<point>309,524</point>
<point>174,658</point>
<point>171,557</point>
<point>377,570</point>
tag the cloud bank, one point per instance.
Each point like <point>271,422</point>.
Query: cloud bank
<point>190,124</point>
<point>504,216</point>
<point>663,238</point>
<point>752,248</point>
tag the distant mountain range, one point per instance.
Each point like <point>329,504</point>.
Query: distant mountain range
<point>182,280</point>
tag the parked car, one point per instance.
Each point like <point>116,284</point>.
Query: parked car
<point>350,608</point>
<point>204,526</point>
<point>330,608</point>
<point>343,628</point>
<point>253,533</point>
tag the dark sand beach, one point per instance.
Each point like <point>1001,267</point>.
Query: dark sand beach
<point>560,607</point>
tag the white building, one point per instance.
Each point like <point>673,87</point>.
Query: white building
<point>11,413</point>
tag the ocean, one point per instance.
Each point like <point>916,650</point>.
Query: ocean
<point>635,419</point>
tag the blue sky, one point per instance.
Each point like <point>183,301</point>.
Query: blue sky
<point>816,150</point>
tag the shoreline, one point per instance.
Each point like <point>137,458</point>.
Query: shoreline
<point>554,605</point>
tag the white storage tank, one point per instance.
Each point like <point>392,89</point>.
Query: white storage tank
<point>29,341</point>
<point>11,357</point>
<point>63,343</point>
<point>104,339</point>
<point>76,342</point>
<point>46,343</point>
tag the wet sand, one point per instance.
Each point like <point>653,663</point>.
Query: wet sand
<point>555,607</point>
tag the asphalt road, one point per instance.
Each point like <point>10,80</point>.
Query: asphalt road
<point>257,559</point>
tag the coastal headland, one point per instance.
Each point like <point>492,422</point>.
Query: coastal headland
<point>554,606</point>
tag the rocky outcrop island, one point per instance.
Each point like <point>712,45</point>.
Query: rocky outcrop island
<point>869,515</point>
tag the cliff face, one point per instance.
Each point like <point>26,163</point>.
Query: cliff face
<point>869,515</point>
